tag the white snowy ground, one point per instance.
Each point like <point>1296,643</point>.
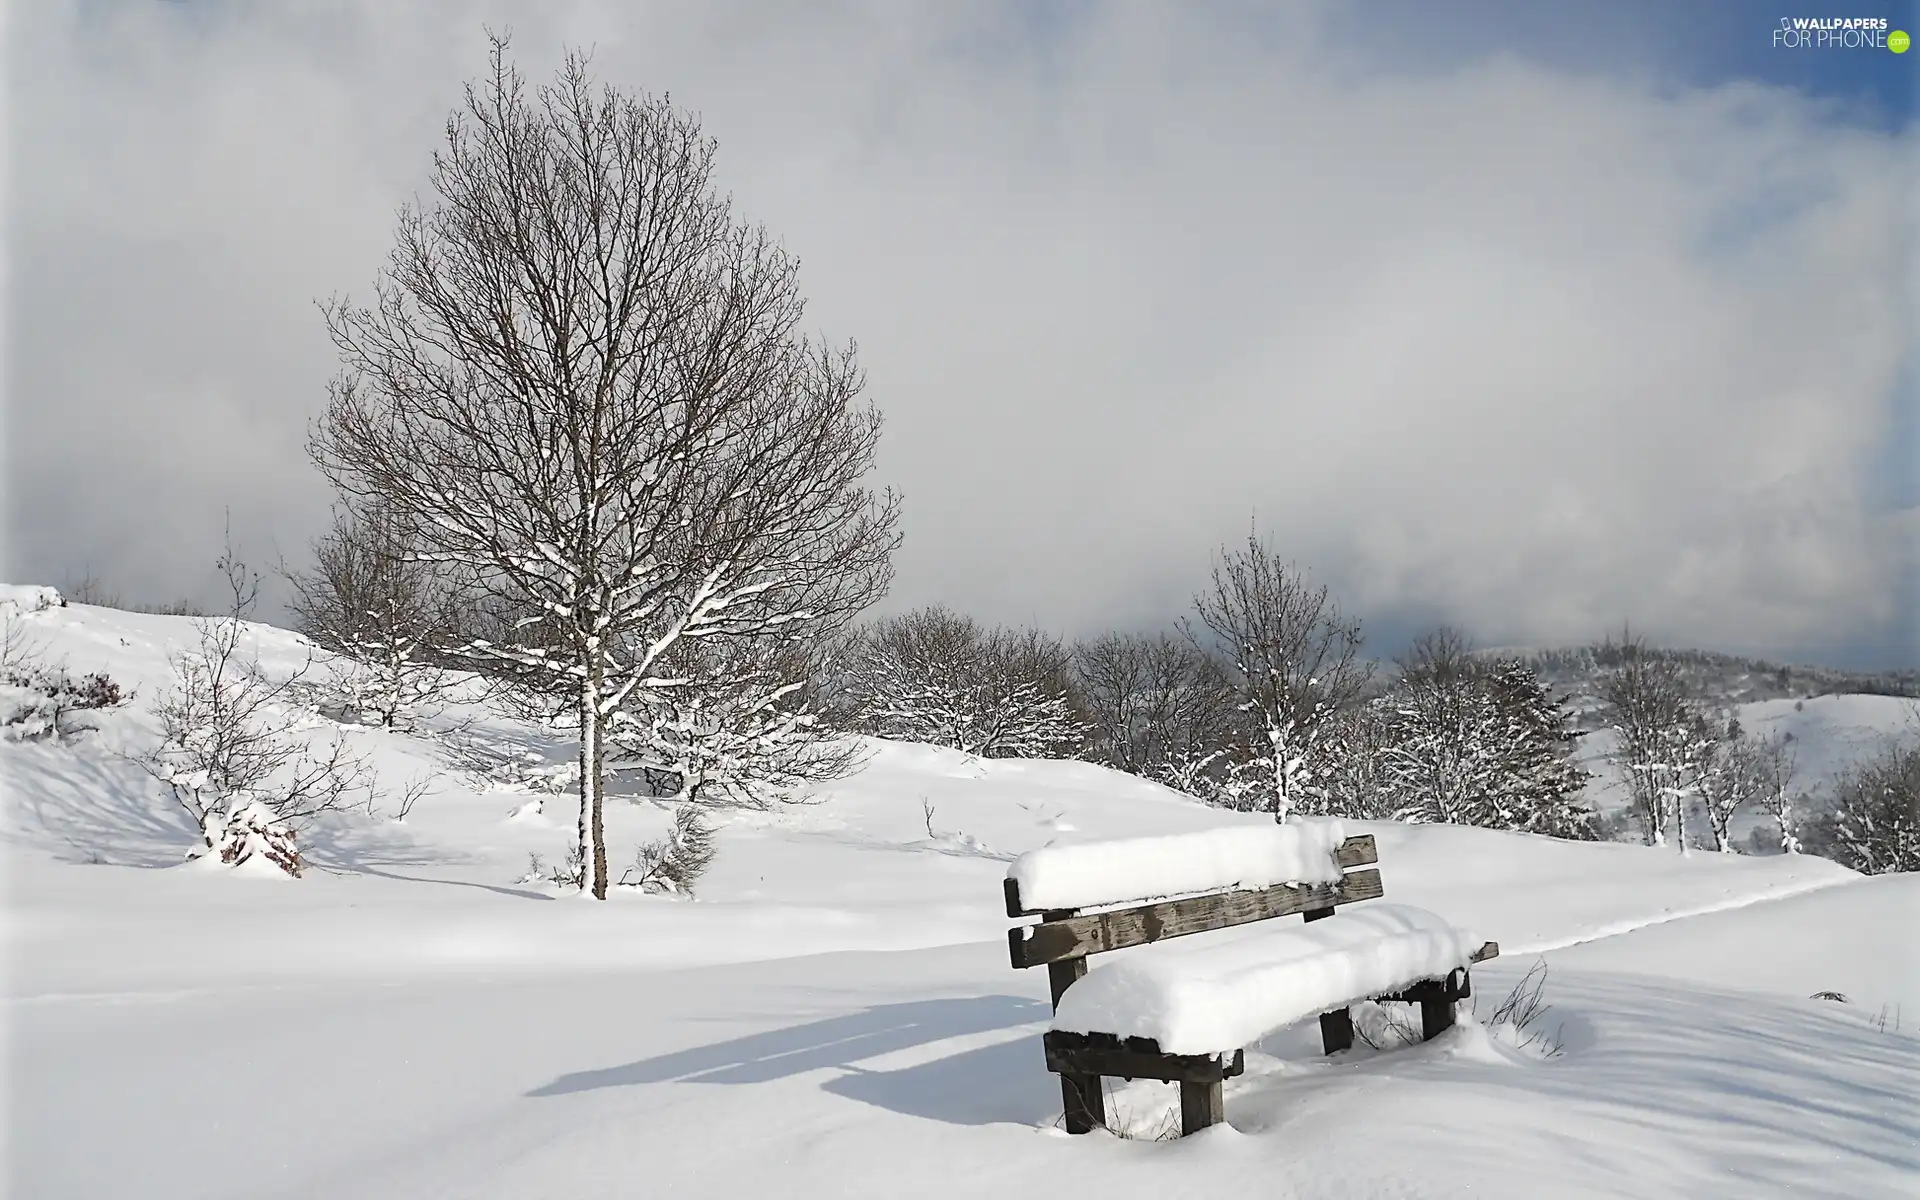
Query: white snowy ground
<point>835,1015</point>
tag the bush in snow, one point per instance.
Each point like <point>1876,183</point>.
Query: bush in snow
<point>674,862</point>
<point>1873,821</point>
<point>229,751</point>
<point>49,703</point>
<point>45,703</point>
<point>1522,1014</point>
<point>936,676</point>
<point>1737,770</point>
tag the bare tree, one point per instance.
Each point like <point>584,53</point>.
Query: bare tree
<point>1155,705</point>
<point>1439,655</point>
<point>371,600</point>
<point>1359,777</point>
<point>1655,724</point>
<point>936,676</point>
<point>1294,659</point>
<point>581,386</point>
<point>1447,752</point>
<point>1734,773</point>
<point>229,752</point>
<point>1777,767</point>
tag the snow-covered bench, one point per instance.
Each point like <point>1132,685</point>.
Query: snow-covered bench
<point>1185,1014</point>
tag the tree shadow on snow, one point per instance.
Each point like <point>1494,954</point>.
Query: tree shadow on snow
<point>1003,1081</point>
<point>83,805</point>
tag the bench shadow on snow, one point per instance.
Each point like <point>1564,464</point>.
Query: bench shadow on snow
<point>1732,1075</point>
<point>1005,1081</point>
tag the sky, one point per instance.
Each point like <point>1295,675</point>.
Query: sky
<point>1532,319</point>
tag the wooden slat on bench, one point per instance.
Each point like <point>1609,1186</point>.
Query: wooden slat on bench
<point>1356,851</point>
<point>1094,933</point>
<point>1098,1054</point>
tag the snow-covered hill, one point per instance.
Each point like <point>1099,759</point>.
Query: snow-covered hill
<point>835,1016</point>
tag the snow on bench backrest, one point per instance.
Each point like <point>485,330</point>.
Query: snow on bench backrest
<point>1215,997</point>
<point>1090,874</point>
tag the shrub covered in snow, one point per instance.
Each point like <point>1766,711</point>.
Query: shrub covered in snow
<point>937,676</point>
<point>674,862</point>
<point>40,702</point>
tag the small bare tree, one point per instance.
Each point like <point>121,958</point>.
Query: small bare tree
<point>1654,720</point>
<point>1359,778</point>
<point>1294,660</point>
<point>1778,765</point>
<point>1155,705</point>
<point>372,601</point>
<point>229,753</point>
<point>1734,774</point>
<point>1440,655</point>
<point>581,387</point>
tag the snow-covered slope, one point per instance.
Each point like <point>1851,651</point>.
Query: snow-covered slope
<point>835,1016</point>
<point>1829,734</point>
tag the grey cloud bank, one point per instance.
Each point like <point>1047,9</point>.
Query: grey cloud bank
<point>1529,351</point>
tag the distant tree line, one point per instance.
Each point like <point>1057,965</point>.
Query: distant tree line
<point>1260,700</point>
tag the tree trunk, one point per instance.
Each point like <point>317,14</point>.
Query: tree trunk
<point>1277,745</point>
<point>593,838</point>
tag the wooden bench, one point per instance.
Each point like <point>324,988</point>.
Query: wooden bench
<point>1066,937</point>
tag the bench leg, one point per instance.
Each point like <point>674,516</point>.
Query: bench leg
<point>1201,1105</point>
<point>1085,1106</point>
<point>1436,1012</point>
<point>1336,1030</point>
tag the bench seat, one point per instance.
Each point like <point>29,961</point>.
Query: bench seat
<point>1201,999</point>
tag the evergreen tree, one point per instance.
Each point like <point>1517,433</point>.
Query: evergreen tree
<point>1544,780</point>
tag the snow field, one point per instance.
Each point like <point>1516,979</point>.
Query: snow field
<point>835,1014</point>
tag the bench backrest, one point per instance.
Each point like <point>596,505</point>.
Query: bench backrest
<point>1066,936</point>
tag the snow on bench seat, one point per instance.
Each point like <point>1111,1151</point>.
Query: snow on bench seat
<point>1148,868</point>
<point>1215,998</point>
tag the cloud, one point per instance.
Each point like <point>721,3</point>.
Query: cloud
<point>1527,350</point>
